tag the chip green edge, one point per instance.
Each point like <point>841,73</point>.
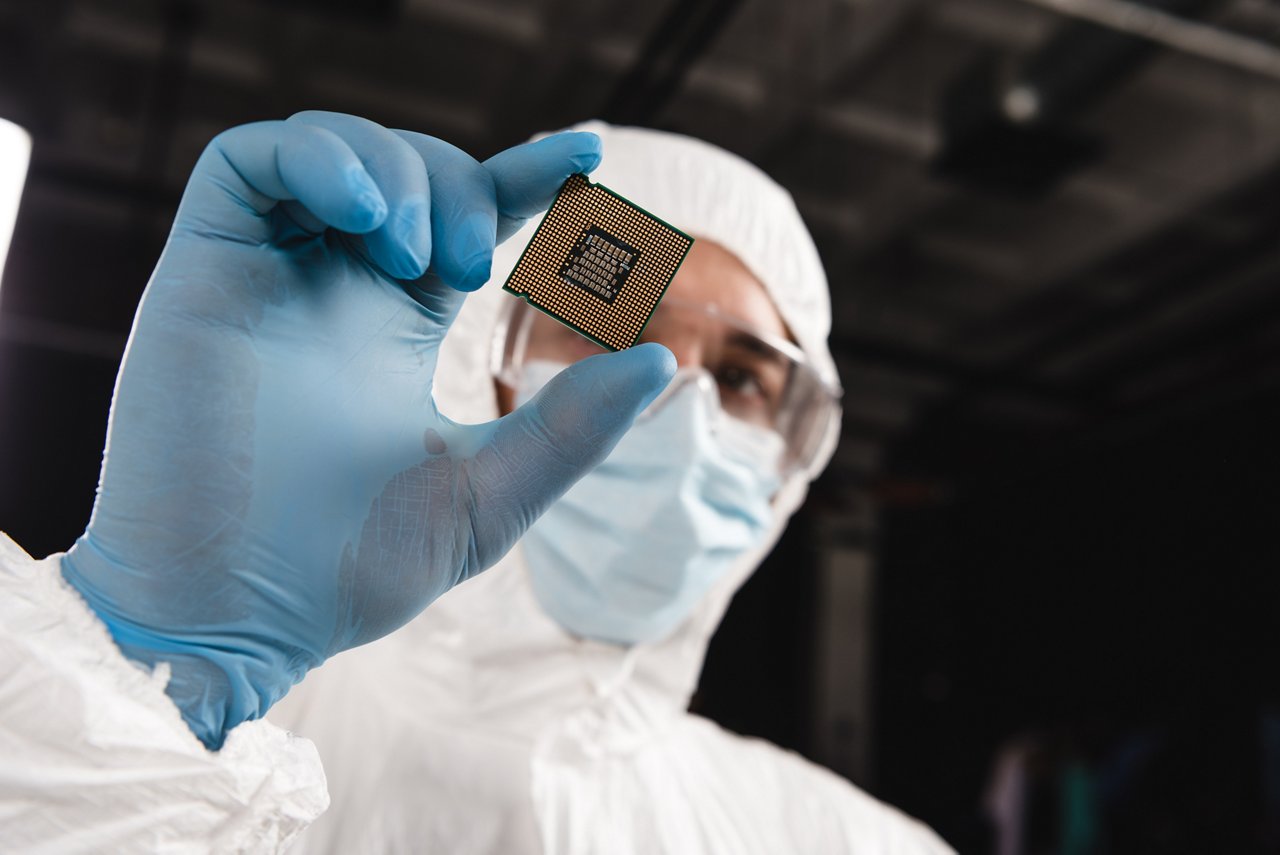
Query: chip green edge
<point>579,330</point>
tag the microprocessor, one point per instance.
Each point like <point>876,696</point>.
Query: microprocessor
<point>599,263</point>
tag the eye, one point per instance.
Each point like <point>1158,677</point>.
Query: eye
<point>740,381</point>
<point>744,393</point>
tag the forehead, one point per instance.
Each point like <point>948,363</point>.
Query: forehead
<point>713,275</point>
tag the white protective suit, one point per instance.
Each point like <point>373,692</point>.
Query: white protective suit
<point>483,727</point>
<point>94,757</point>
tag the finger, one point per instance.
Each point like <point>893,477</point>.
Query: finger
<point>527,177</point>
<point>463,215</point>
<point>570,426</point>
<point>301,217</point>
<point>261,164</point>
<point>401,245</point>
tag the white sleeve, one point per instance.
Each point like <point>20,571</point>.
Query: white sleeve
<point>94,757</point>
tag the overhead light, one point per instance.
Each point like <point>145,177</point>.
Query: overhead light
<point>15,154</point>
<point>1021,104</point>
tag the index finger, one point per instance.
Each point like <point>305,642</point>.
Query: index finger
<point>245,171</point>
<point>527,177</point>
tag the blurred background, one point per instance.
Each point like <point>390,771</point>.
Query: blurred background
<point>1033,602</point>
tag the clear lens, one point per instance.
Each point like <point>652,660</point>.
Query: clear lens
<point>761,380</point>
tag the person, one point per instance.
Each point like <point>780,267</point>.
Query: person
<point>278,484</point>
<point>542,707</point>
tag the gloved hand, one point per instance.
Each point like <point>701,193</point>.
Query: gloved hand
<point>278,485</point>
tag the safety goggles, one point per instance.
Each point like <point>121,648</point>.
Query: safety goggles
<point>761,379</point>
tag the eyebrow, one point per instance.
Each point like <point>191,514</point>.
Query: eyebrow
<point>749,342</point>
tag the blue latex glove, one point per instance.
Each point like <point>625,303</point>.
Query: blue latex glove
<point>278,485</point>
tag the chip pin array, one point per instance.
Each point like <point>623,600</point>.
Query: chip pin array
<point>599,263</point>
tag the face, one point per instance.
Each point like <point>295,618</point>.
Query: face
<point>750,381</point>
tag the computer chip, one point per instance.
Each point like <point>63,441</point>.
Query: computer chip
<point>598,263</point>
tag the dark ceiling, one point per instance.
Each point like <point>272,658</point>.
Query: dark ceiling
<point>1040,272</point>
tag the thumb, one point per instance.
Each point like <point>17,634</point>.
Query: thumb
<point>539,451</point>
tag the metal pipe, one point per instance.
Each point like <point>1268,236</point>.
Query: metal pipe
<point>680,39</point>
<point>1172,31</point>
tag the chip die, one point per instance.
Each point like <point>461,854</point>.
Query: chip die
<point>598,263</point>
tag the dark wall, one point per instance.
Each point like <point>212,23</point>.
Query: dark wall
<point>1112,596</point>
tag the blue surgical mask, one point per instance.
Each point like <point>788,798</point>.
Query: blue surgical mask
<point>630,550</point>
